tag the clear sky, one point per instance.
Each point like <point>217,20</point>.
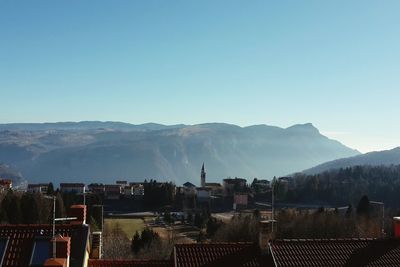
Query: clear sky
<point>333,63</point>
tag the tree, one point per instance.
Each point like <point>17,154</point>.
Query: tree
<point>60,208</point>
<point>239,229</point>
<point>116,243</point>
<point>12,207</point>
<point>144,240</point>
<point>50,189</point>
<point>349,211</point>
<point>29,209</point>
<point>363,207</point>
<point>135,244</point>
<point>213,225</point>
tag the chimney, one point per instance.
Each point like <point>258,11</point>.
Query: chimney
<point>55,263</point>
<point>60,252</point>
<point>78,211</point>
<point>97,245</point>
<point>266,234</point>
<point>396,224</point>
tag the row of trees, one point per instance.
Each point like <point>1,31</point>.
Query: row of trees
<point>35,208</point>
<point>28,208</point>
<point>158,195</point>
<point>291,223</point>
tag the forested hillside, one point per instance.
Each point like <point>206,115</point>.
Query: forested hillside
<point>347,185</point>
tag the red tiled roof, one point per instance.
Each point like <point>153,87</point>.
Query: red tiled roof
<point>218,254</point>
<point>21,238</point>
<point>336,252</point>
<point>129,263</point>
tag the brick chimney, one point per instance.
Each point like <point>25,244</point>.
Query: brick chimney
<point>61,250</point>
<point>266,234</point>
<point>78,211</point>
<point>97,244</point>
<point>55,263</point>
<point>396,228</point>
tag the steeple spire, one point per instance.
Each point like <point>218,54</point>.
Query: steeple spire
<point>203,176</point>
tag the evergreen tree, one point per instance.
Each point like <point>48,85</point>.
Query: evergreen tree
<point>50,189</point>
<point>349,211</point>
<point>29,208</point>
<point>12,206</point>
<point>135,245</point>
<point>363,207</point>
<point>60,208</point>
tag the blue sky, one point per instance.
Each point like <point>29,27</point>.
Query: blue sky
<point>333,63</point>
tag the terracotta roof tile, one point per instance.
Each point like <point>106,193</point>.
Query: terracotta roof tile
<point>336,252</point>
<point>22,237</point>
<point>129,263</point>
<point>218,254</point>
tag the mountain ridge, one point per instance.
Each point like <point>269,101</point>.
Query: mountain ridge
<point>374,158</point>
<point>105,151</point>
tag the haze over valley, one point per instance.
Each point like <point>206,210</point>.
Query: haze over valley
<point>105,151</point>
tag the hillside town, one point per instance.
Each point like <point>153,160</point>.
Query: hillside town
<point>233,194</point>
<point>86,226</point>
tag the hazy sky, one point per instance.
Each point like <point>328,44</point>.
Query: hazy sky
<point>333,63</point>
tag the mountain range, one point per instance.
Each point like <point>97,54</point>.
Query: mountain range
<point>386,157</point>
<point>106,151</point>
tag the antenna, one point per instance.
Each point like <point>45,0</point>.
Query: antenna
<point>54,223</point>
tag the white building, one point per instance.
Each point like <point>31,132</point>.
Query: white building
<point>38,188</point>
<point>77,188</point>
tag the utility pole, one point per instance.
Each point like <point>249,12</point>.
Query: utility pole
<point>274,181</point>
<point>54,227</point>
<point>53,223</point>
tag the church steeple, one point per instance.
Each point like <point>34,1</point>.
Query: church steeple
<point>203,176</point>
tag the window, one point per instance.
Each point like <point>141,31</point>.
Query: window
<point>40,252</point>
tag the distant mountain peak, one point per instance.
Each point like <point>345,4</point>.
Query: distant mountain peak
<point>306,127</point>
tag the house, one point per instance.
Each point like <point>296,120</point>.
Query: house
<point>336,252</point>
<point>121,183</point>
<point>112,191</point>
<point>96,188</point>
<point>216,189</point>
<point>196,255</point>
<point>240,201</point>
<point>130,263</point>
<point>32,245</point>
<point>189,189</point>
<point>219,254</point>
<point>231,186</point>
<point>138,190</point>
<point>203,194</point>
<point>379,252</point>
<point>127,191</point>
<point>78,188</point>
<point>38,188</point>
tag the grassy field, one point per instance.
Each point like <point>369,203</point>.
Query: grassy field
<point>129,226</point>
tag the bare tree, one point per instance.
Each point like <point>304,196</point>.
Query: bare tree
<point>116,244</point>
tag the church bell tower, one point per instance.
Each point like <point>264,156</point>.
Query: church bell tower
<point>203,176</point>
